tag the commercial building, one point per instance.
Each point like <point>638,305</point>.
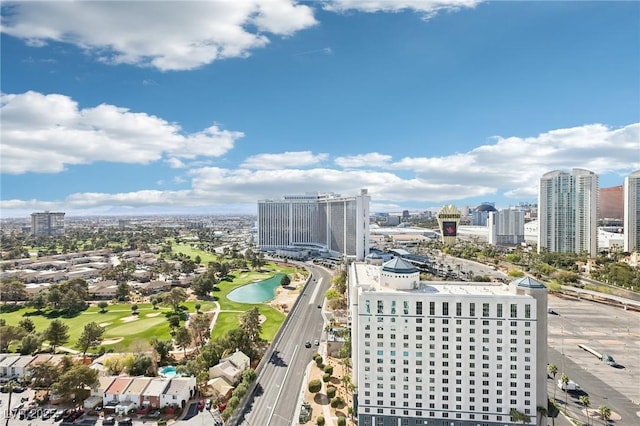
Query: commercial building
<point>445,353</point>
<point>47,223</point>
<point>337,224</point>
<point>480,214</point>
<point>448,222</point>
<point>632,212</point>
<point>568,212</point>
<point>506,227</point>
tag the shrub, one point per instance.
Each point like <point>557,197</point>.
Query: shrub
<point>319,362</point>
<point>337,402</point>
<point>315,386</point>
<point>342,421</point>
<point>315,355</point>
<point>320,421</point>
<point>328,369</point>
<point>331,391</point>
<point>326,377</point>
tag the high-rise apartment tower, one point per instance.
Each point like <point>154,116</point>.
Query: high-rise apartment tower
<point>568,212</point>
<point>632,212</point>
<point>47,223</point>
<point>326,221</point>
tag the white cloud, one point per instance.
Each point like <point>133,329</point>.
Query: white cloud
<point>283,160</point>
<point>372,159</point>
<point>168,35</point>
<point>427,8</point>
<point>45,133</point>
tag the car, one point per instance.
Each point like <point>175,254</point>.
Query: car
<point>59,415</point>
<point>207,404</point>
<point>552,312</point>
<point>200,405</point>
<point>316,342</point>
<point>19,389</point>
<point>125,422</point>
<point>307,344</point>
<point>319,306</point>
<point>109,420</point>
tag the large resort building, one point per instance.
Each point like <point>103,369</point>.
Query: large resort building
<point>445,353</point>
<point>326,222</point>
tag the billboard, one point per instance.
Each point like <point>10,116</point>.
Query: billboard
<point>449,229</point>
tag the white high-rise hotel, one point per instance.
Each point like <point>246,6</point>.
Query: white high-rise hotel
<point>632,212</point>
<point>445,353</point>
<point>326,221</point>
<point>568,212</point>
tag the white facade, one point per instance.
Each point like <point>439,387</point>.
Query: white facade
<point>632,212</point>
<point>446,353</point>
<point>326,221</point>
<point>568,212</point>
<point>506,227</point>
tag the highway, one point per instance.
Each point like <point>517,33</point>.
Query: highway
<point>274,401</point>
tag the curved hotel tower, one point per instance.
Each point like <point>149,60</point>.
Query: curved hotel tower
<point>632,212</point>
<point>322,221</point>
<point>568,212</point>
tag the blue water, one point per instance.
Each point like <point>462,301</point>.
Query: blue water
<point>168,371</point>
<point>257,292</point>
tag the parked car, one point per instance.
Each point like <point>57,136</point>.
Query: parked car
<point>207,404</point>
<point>316,342</point>
<point>307,344</point>
<point>109,420</point>
<point>125,422</point>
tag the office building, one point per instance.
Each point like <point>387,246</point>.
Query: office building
<point>506,227</point>
<point>632,212</point>
<point>568,212</point>
<point>480,214</point>
<point>47,223</point>
<point>337,224</point>
<point>445,353</point>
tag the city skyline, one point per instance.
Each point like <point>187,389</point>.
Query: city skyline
<point>205,108</point>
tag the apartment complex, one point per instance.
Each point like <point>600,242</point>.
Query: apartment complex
<point>47,223</point>
<point>506,227</point>
<point>328,222</point>
<point>568,212</point>
<point>445,353</point>
<point>632,212</point>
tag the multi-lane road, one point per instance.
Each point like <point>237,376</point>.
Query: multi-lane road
<point>274,401</point>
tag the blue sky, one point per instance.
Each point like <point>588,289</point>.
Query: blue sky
<point>207,107</point>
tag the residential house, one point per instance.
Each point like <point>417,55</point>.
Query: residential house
<point>151,395</point>
<point>179,392</point>
<point>135,390</point>
<point>5,365</point>
<point>154,287</point>
<point>231,367</point>
<point>221,386</point>
<point>19,368</point>
<point>113,394</point>
<point>104,289</point>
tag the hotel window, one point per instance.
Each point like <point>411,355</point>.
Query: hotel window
<point>367,306</point>
<point>419,329</point>
<point>485,309</point>
<point>445,308</point>
<point>458,309</point>
<point>472,309</point>
<point>418,308</point>
<point>380,306</point>
<point>405,307</point>
<point>514,310</point>
<point>527,311</point>
<point>432,308</point>
<point>393,307</point>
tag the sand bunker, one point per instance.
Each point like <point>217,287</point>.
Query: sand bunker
<point>104,324</point>
<point>155,314</point>
<point>130,318</point>
<point>112,341</point>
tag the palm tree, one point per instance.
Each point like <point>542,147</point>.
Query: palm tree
<point>519,416</point>
<point>605,414</point>
<point>565,384</point>
<point>584,400</point>
<point>553,370</point>
<point>542,412</point>
<point>9,385</point>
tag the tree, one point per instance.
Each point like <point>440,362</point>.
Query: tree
<point>183,339</point>
<point>175,297</point>
<point>199,326</point>
<point>285,280</point>
<point>9,333</point>
<point>76,380</point>
<point>57,334</point>
<point>43,374</point>
<point>39,301</point>
<point>91,337</point>
<point>163,348</point>
<point>542,412</point>
<point>584,400</point>
<point>519,416</point>
<point>27,324</point>
<point>553,370</point>
<point>30,344</point>
<point>250,323</point>
<point>116,364</point>
<point>122,291</point>
<point>203,284</point>
<point>13,290</point>
<point>605,414</point>
<point>134,309</point>
<point>174,321</point>
<point>141,366</point>
<point>103,306</point>
<point>564,379</point>
<point>197,306</point>
<point>154,303</point>
<point>315,386</point>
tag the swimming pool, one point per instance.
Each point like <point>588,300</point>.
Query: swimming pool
<point>257,292</point>
<point>168,371</point>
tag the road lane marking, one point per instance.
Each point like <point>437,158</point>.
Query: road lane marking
<point>293,356</point>
<point>315,292</point>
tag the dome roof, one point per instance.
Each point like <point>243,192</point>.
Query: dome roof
<point>486,208</point>
<point>399,266</point>
<point>528,282</point>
